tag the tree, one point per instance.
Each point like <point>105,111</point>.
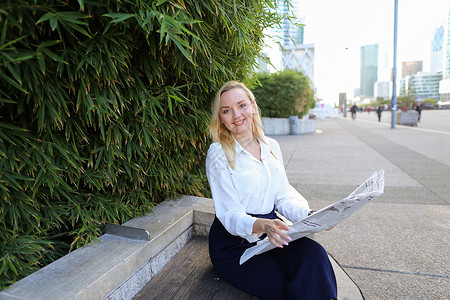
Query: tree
<point>284,94</point>
<point>103,111</point>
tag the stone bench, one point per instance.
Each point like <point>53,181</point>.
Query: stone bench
<point>118,267</point>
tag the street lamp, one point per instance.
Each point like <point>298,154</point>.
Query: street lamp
<point>394,71</point>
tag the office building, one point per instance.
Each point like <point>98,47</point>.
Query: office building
<point>381,90</point>
<point>437,50</point>
<point>295,55</point>
<point>411,68</point>
<point>299,58</point>
<point>422,85</point>
<point>368,69</point>
<point>447,48</point>
<point>444,85</point>
<point>289,34</point>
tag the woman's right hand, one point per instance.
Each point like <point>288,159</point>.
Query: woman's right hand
<point>275,230</point>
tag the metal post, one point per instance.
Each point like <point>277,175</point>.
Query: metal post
<point>394,71</point>
<point>345,106</point>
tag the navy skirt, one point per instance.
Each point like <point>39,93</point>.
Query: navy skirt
<point>300,270</point>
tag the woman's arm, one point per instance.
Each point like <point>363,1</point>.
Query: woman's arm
<point>229,210</point>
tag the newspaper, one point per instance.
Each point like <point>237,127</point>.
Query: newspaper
<point>328,216</point>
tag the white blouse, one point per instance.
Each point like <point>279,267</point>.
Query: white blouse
<point>253,187</point>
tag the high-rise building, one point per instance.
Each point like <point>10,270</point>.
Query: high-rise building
<point>299,58</point>
<point>444,85</point>
<point>289,33</point>
<point>369,69</point>
<point>411,68</point>
<point>447,52</point>
<point>421,85</point>
<point>295,55</point>
<point>381,90</point>
<point>437,50</point>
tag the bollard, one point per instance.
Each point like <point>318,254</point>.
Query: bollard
<point>293,124</point>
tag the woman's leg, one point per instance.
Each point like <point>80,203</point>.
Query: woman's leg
<point>311,275</point>
<point>260,276</point>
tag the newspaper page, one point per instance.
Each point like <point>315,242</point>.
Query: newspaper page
<point>328,216</point>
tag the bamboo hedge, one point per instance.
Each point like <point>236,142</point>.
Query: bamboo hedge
<point>103,111</point>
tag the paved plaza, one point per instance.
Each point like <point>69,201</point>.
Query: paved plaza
<point>398,246</point>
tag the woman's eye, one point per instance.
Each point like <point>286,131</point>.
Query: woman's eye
<point>225,111</point>
<point>242,105</point>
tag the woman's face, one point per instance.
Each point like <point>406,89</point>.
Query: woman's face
<point>236,112</point>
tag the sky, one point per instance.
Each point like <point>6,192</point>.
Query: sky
<point>338,28</point>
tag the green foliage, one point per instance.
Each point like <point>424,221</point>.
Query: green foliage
<point>429,101</point>
<point>103,112</point>
<point>283,94</point>
<point>406,101</point>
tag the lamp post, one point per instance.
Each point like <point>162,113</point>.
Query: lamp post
<point>394,70</point>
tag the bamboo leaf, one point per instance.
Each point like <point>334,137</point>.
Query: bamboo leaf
<point>53,55</point>
<point>45,17</point>
<point>53,22</point>
<point>119,17</point>
<point>41,60</point>
<point>13,83</point>
<point>49,43</point>
<point>3,37</point>
<point>13,42</point>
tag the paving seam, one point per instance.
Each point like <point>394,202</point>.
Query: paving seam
<point>394,271</point>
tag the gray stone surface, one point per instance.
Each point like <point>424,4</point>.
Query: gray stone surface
<point>397,246</point>
<point>131,286</point>
<point>115,263</point>
<point>282,126</point>
<point>117,268</point>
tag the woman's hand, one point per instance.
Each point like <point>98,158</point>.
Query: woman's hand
<point>275,230</point>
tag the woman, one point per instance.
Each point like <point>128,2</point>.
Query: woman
<point>248,182</point>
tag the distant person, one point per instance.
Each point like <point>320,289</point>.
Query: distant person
<point>353,110</point>
<point>419,110</point>
<point>379,111</point>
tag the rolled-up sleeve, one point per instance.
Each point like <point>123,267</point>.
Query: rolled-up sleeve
<point>229,210</point>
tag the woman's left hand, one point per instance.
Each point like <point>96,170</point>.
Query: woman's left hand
<point>275,230</point>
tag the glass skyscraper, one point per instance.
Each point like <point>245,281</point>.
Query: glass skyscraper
<point>437,50</point>
<point>369,70</point>
<point>289,33</point>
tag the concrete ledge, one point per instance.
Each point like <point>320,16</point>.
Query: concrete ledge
<point>276,126</point>
<point>282,126</point>
<point>117,267</point>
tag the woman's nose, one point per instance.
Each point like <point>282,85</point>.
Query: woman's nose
<point>236,112</point>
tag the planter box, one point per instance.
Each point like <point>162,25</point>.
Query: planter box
<point>285,126</point>
<point>407,118</point>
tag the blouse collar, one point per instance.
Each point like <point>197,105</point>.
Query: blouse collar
<point>264,148</point>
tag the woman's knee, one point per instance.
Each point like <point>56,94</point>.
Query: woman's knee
<point>260,276</point>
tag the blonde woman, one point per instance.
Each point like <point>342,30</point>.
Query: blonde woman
<point>248,182</point>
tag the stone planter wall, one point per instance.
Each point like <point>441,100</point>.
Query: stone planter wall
<point>285,126</point>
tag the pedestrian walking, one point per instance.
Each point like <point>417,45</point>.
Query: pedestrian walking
<point>419,110</point>
<point>379,111</point>
<point>353,110</point>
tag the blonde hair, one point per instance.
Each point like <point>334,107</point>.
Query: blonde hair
<point>220,133</point>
